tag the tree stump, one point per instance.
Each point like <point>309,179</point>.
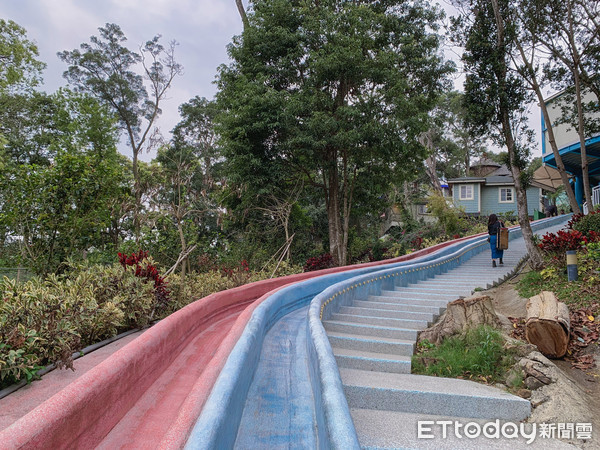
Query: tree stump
<point>547,325</point>
<point>461,315</point>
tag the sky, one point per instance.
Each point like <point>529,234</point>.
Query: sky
<point>202,28</point>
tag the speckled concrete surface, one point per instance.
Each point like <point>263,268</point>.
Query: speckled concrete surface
<point>390,429</point>
<point>20,402</point>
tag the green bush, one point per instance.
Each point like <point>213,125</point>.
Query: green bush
<point>590,222</point>
<point>45,321</point>
<point>448,217</point>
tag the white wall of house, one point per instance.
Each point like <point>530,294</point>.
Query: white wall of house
<point>564,134</point>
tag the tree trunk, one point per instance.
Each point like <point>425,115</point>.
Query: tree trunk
<point>535,255</point>
<point>183,249</point>
<point>536,259</point>
<point>550,130</point>
<point>138,197</point>
<point>334,220</point>
<point>580,129</point>
<point>242,11</point>
<point>547,325</point>
<point>430,162</point>
<point>577,79</point>
<point>460,316</point>
<point>557,157</point>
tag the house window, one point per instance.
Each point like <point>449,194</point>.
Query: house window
<point>466,192</point>
<point>422,209</point>
<point>506,195</point>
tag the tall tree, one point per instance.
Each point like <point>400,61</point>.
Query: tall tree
<point>572,44</point>
<point>242,11</point>
<point>528,62</point>
<point>185,179</point>
<point>106,68</point>
<point>453,144</point>
<point>60,206</point>
<point>335,93</point>
<point>495,95</point>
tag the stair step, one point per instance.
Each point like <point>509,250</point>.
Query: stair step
<point>381,305</point>
<point>434,290</point>
<point>380,362</point>
<point>439,302</point>
<point>378,345</point>
<point>376,312</point>
<point>447,284</point>
<point>370,330</point>
<point>430,395</point>
<point>481,281</point>
<point>383,322</point>
<point>407,294</point>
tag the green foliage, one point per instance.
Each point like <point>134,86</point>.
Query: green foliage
<point>19,68</point>
<point>587,223</point>
<point>479,353</point>
<point>593,251</point>
<point>333,96</point>
<point>61,201</point>
<point>578,294</point>
<point>104,69</point>
<point>454,144</point>
<point>448,217</point>
<point>107,70</point>
<point>45,321</point>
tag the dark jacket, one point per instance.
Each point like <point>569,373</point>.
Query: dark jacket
<point>495,227</point>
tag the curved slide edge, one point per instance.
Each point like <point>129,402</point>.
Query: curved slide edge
<point>335,422</point>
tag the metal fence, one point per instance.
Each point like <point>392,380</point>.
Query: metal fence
<point>16,273</point>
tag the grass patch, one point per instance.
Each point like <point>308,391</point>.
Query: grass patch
<point>576,294</point>
<point>478,354</point>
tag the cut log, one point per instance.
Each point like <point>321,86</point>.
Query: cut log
<point>461,315</point>
<point>547,325</point>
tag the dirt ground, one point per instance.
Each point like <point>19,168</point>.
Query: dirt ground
<point>581,401</point>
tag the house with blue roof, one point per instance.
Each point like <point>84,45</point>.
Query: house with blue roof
<point>569,148</point>
<point>491,189</point>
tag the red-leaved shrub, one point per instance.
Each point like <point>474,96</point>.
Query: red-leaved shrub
<point>324,261</point>
<point>556,245</point>
<point>143,268</point>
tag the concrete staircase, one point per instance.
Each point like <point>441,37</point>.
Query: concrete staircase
<point>373,341</point>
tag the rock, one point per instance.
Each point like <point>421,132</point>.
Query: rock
<point>532,383</point>
<point>524,393</point>
<point>535,373</point>
<point>539,400</point>
<point>500,386</point>
<point>562,400</point>
<point>524,349</point>
<point>540,367</point>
